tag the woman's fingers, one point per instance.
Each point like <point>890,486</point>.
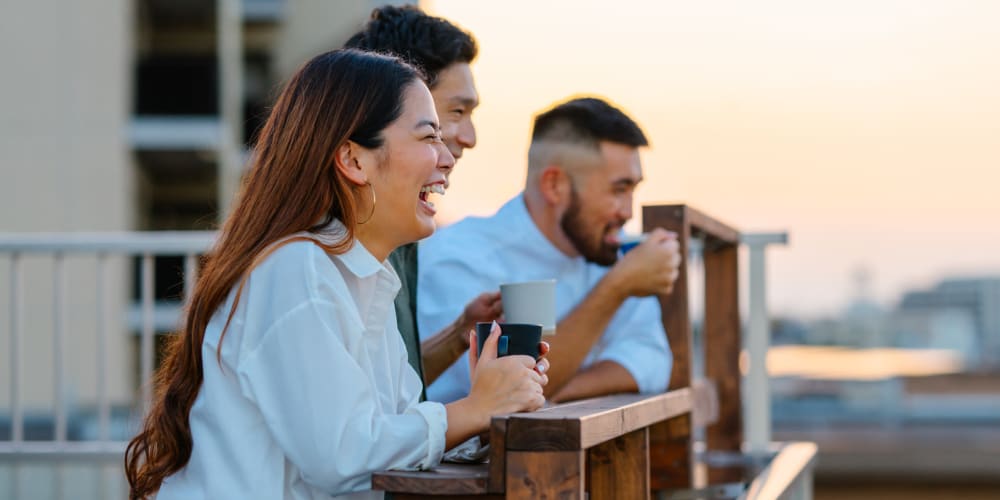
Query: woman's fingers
<point>490,346</point>
<point>542,366</point>
<point>473,355</point>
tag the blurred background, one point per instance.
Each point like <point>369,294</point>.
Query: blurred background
<point>868,130</point>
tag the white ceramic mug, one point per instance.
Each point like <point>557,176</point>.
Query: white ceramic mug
<point>530,302</point>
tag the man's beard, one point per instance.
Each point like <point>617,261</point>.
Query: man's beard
<point>589,243</point>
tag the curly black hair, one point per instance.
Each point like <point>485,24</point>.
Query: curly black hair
<point>588,120</point>
<point>427,42</point>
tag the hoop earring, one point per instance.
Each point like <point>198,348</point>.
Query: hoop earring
<point>372,188</point>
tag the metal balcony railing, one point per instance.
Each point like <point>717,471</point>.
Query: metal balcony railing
<point>101,247</point>
<point>148,317</point>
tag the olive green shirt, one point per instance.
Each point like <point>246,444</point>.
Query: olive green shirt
<point>404,261</point>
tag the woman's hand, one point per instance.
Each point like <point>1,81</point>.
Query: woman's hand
<point>542,365</point>
<point>504,385</point>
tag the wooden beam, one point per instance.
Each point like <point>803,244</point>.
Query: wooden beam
<point>545,474</point>
<point>498,455</point>
<point>670,454</point>
<point>723,346</point>
<point>620,468</point>
<point>445,479</point>
<point>408,496</point>
<point>712,228</point>
<point>590,422</point>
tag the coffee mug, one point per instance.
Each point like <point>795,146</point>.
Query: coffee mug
<point>532,302</point>
<point>628,242</point>
<point>515,338</point>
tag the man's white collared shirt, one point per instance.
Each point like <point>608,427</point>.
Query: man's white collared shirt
<point>477,254</point>
<point>313,392</point>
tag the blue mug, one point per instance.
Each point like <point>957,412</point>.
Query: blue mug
<point>630,242</point>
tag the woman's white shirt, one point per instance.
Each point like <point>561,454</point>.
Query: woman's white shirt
<point>313,392</point>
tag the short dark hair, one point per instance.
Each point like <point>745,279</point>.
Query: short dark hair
<point>427,42</point>
<point>587,121</point>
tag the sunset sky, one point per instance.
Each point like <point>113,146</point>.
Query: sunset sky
<point>870,130</point>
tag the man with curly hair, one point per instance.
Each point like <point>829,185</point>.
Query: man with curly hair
<point>443,52</point>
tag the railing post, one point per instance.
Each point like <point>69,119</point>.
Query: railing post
<point>619,468</point>
<point>722,352</point>
<point>670,441</point>
<point>229,45</point>
<point>103,399</point>
<point>16,323</point>
<point>58,344</point>
<point>190,277</point>
<point>758,400</point>
<point>147,340</point>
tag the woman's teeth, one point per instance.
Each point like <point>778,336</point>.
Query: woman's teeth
<point>426,190</point>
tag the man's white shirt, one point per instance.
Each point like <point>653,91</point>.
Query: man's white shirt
<point>477,254</point>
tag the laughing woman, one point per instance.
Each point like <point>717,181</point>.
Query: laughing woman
<point>289,379</point>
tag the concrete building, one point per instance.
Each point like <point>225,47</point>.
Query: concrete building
<point>126,115</point>
<point>958,313</point>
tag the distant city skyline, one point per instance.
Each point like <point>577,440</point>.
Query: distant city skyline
<point>868,130</point>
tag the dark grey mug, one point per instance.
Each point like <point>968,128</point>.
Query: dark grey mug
<point>515,338</point>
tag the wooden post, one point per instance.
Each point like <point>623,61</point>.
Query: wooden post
<point>722,352</point>
<point>498,455</point>
<point>545,474</point>
<point>620,468</point>
<point>670,442</point>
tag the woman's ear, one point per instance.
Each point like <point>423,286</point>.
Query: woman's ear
<point>349,162</point>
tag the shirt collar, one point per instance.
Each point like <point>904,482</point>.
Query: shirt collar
<point>358,260</point>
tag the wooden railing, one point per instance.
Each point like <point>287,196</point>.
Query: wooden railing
<point>598,446</point>
<point>629,446</point>
<point>671,441</point>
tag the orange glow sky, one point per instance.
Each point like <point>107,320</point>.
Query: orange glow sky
<point>870,130</point>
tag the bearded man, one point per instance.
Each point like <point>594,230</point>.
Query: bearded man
<point>583,168</point>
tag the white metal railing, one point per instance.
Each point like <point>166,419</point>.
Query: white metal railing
<point>757,399</point>
<point>103,246</point>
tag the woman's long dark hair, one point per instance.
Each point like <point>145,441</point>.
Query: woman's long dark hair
<point>292,183</point>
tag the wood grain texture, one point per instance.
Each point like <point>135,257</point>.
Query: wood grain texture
<point>545,474</point>
<point>498,455</point>
<point>723,344</point>
<point>674,308</point>
<point>670,452</point>
<point>619,469</point>
<point>712,228</point>
<point>408,496</point>
<point>587,423</point>
<point>445,479</point>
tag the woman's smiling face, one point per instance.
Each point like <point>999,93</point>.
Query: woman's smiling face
<point>413,163</point>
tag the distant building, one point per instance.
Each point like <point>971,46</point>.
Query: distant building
<point>123,116</point>
<point>960,313</point>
